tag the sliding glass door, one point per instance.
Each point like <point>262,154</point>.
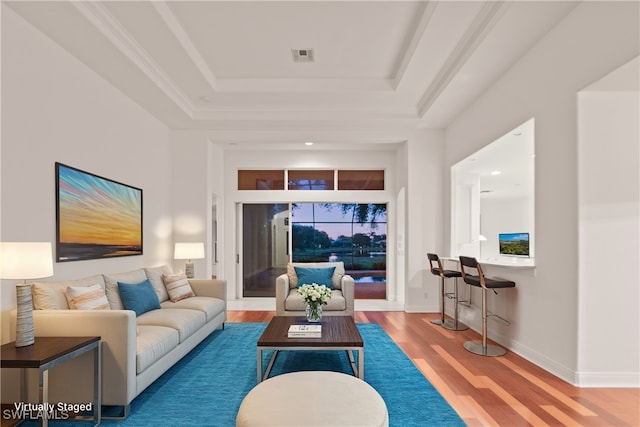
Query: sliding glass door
<point>265,247</point>
<point>355,233</point>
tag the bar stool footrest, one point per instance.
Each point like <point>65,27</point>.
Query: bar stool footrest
<point>504,321</point>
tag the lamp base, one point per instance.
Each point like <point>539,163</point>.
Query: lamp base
<point>24,321</point>
<point>188,270</point>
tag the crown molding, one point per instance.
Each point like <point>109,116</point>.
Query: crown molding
<point>185,42</point>
<point>483,23</point>
<point>108,25</point>
<point>418,35</point>
<point>305,85</point>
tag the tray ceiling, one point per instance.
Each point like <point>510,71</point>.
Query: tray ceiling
<point>227,66</point>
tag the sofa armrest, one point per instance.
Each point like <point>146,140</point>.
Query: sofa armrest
<point>282,291</point>
<point>214,288</point>
<point>348,291</point>
<point>118,331</point>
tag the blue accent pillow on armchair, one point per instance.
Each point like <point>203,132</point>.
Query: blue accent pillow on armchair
<point>308,275</point>
<point>139,298</point>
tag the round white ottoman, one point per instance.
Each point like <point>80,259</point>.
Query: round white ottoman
<point>313,398</point>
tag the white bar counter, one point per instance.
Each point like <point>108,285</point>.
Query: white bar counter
<point>506,262</point>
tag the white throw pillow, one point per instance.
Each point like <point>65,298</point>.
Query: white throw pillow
<point>178,286</point>
<point>87,298</point>
<point>52,295</point>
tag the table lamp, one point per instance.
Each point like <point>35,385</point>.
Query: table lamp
<point>189,251</point>
<point>22,261</point>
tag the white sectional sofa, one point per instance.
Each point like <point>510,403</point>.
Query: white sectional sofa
<point>136,350</point>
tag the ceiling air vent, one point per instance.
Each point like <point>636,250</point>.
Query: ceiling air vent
<point>302,55</point>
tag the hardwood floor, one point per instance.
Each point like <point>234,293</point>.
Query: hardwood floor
<point>486,391</point>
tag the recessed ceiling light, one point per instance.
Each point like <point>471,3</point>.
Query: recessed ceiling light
<point>496,173</point>
<point>308,143</point>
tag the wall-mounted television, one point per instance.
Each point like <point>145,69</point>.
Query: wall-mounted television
<point>514,244</point>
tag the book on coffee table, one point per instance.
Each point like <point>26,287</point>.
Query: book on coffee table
<point>305,331</point>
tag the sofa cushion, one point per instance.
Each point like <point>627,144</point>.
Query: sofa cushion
<point>52,295</point>
<point>111,285</point>
<point>185,321</point>
<point>317,275</point>
<point>294,302</point>
<point>336,279</point>
<point>155,276</point>
<point>153,342</point>
<point>211,307</point>
<point>87,297</point>
<point>139,297</point>
<point>178,286</point>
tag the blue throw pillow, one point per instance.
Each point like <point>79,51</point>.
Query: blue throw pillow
<point>308,275</point>
<point>139,298</point>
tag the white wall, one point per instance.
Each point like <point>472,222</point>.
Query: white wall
<point>193,188</point>
<point>595,38</point>
<point>609,203</point>
<point>55,109</point>
<point>425,192</point>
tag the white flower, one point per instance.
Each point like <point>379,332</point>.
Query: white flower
<point>315,294</point>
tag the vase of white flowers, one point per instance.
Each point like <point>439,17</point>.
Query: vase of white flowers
<point>315,296</point>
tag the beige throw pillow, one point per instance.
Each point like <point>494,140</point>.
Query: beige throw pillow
<point>87,297</point>
<point>178,286</point>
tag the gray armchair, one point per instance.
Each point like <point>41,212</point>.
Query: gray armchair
<point>290,303</point>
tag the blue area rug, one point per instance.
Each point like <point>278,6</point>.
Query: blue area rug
<point>207,386</point>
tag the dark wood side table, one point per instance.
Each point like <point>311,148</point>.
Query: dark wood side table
<point>46,353</point>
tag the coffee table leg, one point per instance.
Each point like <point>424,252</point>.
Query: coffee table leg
<point>352,362</point>
<point>357,369</point>
<point>270,365</point>
<point>259,364</point>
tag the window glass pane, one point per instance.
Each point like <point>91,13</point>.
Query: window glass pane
<point>330,212</point>
<point>302,211</point>
<point>361,180</point>
<point>261,180</point>
<point>354,233</point>
<point>310,180</point>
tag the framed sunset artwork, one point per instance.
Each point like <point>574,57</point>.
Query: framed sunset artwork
<point>96,217</point>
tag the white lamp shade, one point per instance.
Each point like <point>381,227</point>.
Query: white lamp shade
<point>189,251</point>
<point>25,260</point>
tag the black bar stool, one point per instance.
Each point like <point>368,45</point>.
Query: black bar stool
<point>483,349</point>
<point>438,270</point>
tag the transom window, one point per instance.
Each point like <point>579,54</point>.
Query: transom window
<point>308,179</point>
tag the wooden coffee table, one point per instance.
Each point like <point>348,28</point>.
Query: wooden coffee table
<point>338,333</point>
